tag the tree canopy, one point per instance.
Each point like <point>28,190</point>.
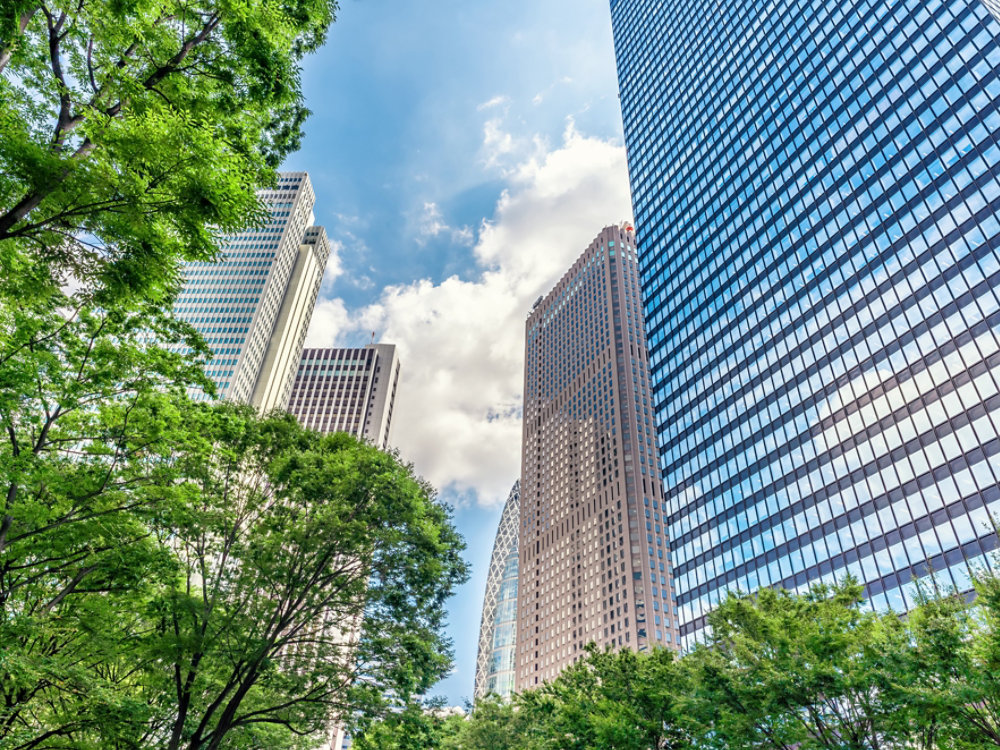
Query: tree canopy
<point>780,671</point>
<point>259,581</point>
<point>176,574</point>
<point>134,132</point>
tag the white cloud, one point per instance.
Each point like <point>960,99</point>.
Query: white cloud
<point>497,143</point>
<point>330,320</point>
<point>461,342</point>
<point>499,100</point>
<point>432,224</point>
<point>334,266</point>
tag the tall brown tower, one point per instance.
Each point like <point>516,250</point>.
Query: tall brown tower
<point>594,561</point>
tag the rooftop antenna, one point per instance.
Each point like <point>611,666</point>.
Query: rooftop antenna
<point>373,338</point>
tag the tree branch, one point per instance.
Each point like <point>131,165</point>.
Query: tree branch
<point>67,122</point>
<point>22,24</point>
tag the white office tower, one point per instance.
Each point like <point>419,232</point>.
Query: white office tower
<point>254,304</point>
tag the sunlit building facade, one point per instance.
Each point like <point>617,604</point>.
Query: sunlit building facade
<point>347,390</point>
<point>594,563</point>
<point>253,305</point>
<point>498,627</point>
<point>817,188</point>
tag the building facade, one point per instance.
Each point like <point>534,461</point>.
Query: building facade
<point>816,186</point>
<point>347,390</point>
<point>498,627</point>
<point>254,304</point>
<point>593,558</point>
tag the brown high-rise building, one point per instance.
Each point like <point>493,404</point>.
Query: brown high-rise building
<point>594,563</point>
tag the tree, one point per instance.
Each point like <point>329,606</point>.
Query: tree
<point>308,564</point>
<point>181,575</point>
<point>785,671</point>
<point>134,132</point>
<point>950,674</point>
<point>494,723</point>
<point>921,671</point>
<point>621,700</point>
<point>89,415</point>
<point>418,725</point>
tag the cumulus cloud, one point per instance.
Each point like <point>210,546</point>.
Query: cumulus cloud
<point>461,342</point>
<point>330,321</point>
<point>432,224</point>
<point>334,266</point>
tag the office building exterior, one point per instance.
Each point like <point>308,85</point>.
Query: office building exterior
<point>593,558</point>
<point>498,628</point>
<point>994,7</point>
<point>253,305</point>
<point>816,187</point>
<point>347,390</point>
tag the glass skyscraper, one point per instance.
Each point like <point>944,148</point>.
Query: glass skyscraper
<point>498,628</point>
<point>817,186</point>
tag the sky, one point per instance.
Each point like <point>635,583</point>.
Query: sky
<point>463,155</point>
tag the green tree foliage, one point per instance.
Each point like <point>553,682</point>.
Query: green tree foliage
<point>621,700</point>
<point>172,574</point>
<point>296,551</point>
<point>240,590</point>
<point>133,132</point>
<point>415,726</point>
<point>951,674</point>
<point>90,411</point>
<point>779,672</point>
<point>787,671</point>
<point>495,724</point>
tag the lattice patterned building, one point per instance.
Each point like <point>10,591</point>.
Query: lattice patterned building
<point>816,186</point>
<point>253,306</point>
<point>347,390</point>
<point>498,628</point>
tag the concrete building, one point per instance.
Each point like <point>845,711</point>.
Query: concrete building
<point>593,555</point>
<point>347,390</point>
<point>816,186</point>
<point>498,627</point>
<point>253,306</point>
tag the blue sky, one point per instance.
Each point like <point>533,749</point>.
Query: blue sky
<point>463,155</point>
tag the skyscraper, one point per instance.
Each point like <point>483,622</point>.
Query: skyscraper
<point>593,557</point>
<point>498,628</point>
<point>254,305</point>
<point>817,186</point>
<point>347,390</point>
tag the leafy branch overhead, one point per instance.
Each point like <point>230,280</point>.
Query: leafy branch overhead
<point>133,132</point>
